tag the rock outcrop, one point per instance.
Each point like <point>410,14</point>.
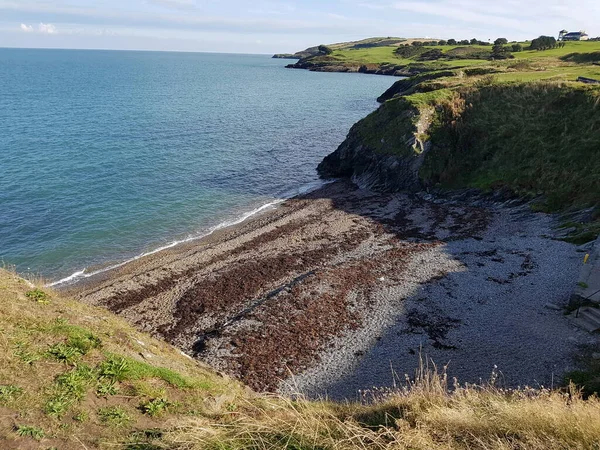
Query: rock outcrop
<point>384,151</point>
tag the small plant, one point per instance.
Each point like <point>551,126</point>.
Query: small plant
<point>583,285</point>
<point>81,416</point>
<point>68,389</point>
<point>231,407</point>
<point>113,415</point>
<point>155,407</point>
<point>57,406</point>
<point>106,388</point>
<point>9,392</point>
<point>75,382</point>
<point>64,352</point>
<point>23,353</point>
<point>39,296</point>
<point>114,368</point>
<point>85,342</point>
<point>30,431</point>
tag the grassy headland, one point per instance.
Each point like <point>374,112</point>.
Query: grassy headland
<point>523,123</point>
<point>73,376</point>
<point>401,58</point>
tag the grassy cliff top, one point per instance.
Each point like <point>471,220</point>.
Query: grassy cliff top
<point>75,376</point>
<point>569,62</point>
<point>525,123</point>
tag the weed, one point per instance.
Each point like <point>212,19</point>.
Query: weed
<point>114,368</point>
<point>114,415</point>
<point>583,285</point>
<point>76,381</point>
<point>81,416</point>
<point>84,342</point>
<point>68,389</point>
<point>9,392</point>
<point>57,406</point>
<point>64,352</point>
<point>106,388</point>
<point>39,296</point>
<point>24,354</point>
<point>232,407</point>
<point>30,431</point>
<point>155,407</point>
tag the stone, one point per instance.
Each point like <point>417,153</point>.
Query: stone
<point>553,306</point>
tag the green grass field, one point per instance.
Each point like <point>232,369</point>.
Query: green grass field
<point>543,65</point>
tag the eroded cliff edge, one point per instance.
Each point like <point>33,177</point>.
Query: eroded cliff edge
<point>535,139</point>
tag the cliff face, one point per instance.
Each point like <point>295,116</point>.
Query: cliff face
<point>367,169</point>
<point>383,151</point>
<point>386,150</point>
<point>537,139</point>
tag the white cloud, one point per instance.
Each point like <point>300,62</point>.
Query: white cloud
<point>42,28</point>
<point>47,28</point>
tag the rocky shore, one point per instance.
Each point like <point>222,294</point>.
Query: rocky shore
<point>332,66</point>
<point>322,294</point>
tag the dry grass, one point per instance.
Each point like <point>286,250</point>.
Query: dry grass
<point>423,415</point>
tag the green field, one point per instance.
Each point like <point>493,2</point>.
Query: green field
<point>548,64</point>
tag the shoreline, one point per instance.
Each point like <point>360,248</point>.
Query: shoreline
<point>81,275</point>
<point>301,297</point>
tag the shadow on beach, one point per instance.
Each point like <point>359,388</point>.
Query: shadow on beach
<point>342,286</point>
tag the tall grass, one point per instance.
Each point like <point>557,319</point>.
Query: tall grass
<point>534,138</point>
<point>423,414</point>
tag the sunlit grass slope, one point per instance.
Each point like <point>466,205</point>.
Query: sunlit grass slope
<point>74,376</point>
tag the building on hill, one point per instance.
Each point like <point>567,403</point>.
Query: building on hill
<point>573,36</point>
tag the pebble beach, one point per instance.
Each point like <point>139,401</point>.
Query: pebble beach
<point>342,290</point>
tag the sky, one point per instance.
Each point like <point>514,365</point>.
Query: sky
<point>267,26</point>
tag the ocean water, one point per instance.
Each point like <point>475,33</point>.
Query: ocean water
<point>105,155</point>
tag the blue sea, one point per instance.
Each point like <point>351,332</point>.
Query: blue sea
<point>105,156</point>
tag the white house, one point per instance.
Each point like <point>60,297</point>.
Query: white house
<point>573,36</point>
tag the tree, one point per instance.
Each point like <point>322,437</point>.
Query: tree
<point>324,50</point>
<point>417,44</point>
<point>431,55</point>
<point>499,51</point>
<point>442,42</point>
<point>464,42</point>
<point>474,41</point>
<point>517,48</point>
<point>501,41</point>
<point>452,42</point>
<point>543,43</point>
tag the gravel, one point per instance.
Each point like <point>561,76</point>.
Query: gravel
<point>488,314</point>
